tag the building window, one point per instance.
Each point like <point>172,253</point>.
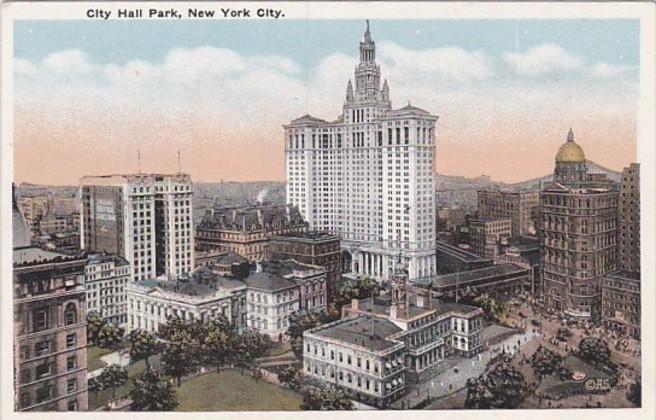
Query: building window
<point>43,370</point>
<point>40,318</point>
<point>43,394</point>
<point>24,399</point>
<point>71,385</point>
<point>72,405</point>
<point>70,340</point>
<point>70,314</point>
<point>71,363</point>
<point>42,348</point>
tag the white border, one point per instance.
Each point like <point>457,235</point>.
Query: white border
<point>646,146</point>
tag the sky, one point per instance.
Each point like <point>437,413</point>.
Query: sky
<point>89,94</point>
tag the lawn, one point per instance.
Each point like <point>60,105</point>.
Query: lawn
<point>231,391</point>
<point>104,396</point>
<point>93,357</point>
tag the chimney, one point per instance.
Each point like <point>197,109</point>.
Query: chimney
<point>258,266</point>
<point>355,304</point>
<point>394,311</point>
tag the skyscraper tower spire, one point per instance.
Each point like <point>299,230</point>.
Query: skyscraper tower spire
<point>367,48</point>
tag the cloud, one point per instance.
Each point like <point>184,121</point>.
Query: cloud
<point>543,59</point>
<point>450,63</point>
<point>67,62</point>
<point>24,67</point>
<point>605,70</point>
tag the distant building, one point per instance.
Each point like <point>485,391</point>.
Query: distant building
<point>50,335</point>
<point>578,216</point>
<point>21,232</point>
<point>247,230</point>
<point>522,207</point>
<point>106,277</point>
<point>316,248</point>
<point>378,344</point>
<point>450,218</point>
<point>497,280</point>
<point>368,175</point>
<point>34,208</point>
<point>224,263</point>
<point>144,218</point>
<point>451,259</point>
<point>488,236</point>
<point>263,300</point>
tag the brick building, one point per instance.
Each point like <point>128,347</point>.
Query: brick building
<point>522,207</point>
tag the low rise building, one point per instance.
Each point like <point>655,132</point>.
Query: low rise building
<point>379,343</point>
<point>451,259</point>
<point>201,296</point>
<point>498,280</point>
<point>263,300</point>
<point>50,334</point>
<point>106,277</point>
<point>316,248</point>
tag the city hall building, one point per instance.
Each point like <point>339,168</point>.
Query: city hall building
<point>368,175</point>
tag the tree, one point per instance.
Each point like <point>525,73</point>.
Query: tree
<point>546,362</point>
<point>247,347</point>
<point>494,310</point>
<point>216,347</point>
<point>299,322</point>
<point>112,377</point>
<point>173,324</point>
<point>634,393</point>
<point>94,324</point>
<point>180,356</point>
<point>144,345</point>
<point>329,398</point>
<point>95,386</point>
<point>152,393</point>
<point>594,350</point>
<point>291,378</point>
<point>363,288</point>
<point>109,335</point>
<point>502,387</point>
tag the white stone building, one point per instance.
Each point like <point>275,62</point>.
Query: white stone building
<point>145,218</point>
<point>368,175</point>
<point>106,277</point>
<point>202,296</point>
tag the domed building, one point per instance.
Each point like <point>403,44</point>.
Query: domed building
<point>578,229</point>
<point>571,165</point>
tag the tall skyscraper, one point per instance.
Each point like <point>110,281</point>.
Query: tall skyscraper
<point>145,218</point>
<point>368,175</point>
<point>578,217</point>
<point>628,213</point>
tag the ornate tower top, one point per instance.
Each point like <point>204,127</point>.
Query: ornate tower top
<point>367,47</point>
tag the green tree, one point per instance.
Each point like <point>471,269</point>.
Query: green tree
<point>502,387</point>
<point>363,288</point>
<point>152,393</point>
<point>112,377</point>
<point>329,398</point>
<point>95,386</point>
<point>594,350</point>
<point>299,322</point>
<point>173,325</point>
<point>109,336</point>
<point>546,362</point>
<point>94,324</point>
<point>634,393</point>
<point>180,355</point>
<point>291,377</point>
<point>217,346</point>
<point>143,345</point>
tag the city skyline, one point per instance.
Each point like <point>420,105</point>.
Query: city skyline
<point>549,80</point>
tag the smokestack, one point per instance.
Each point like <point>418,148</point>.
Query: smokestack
<point>355,304</point>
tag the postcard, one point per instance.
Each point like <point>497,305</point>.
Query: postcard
<point>302,209</point>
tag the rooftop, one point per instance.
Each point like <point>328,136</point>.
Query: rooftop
<point>106,258</point>
<point>36,255</point>
<point>312,236</point>
<point>267,281</point>
<point>365,331</point>
<point>464,277</point>
<point>457,252</point>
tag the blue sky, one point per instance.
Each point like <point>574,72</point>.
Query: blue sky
<point>611,41</point>
<point>502,88</point>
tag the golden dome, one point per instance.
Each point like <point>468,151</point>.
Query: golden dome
<point>570,152</point>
